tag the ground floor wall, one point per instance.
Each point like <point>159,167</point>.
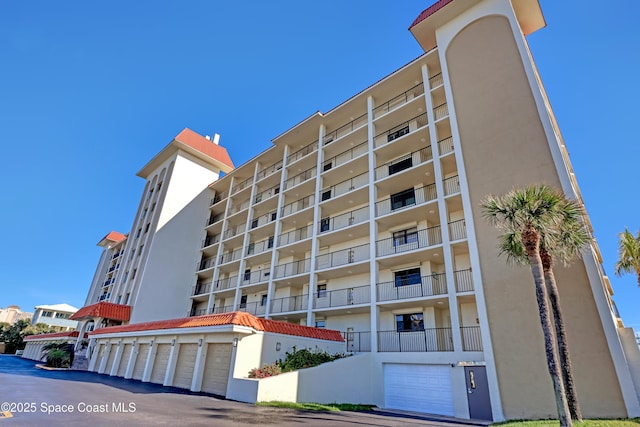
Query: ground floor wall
<point>34,348</point>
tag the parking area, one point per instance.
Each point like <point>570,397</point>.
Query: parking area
<point>36,397</point>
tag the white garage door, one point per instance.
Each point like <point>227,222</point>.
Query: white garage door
<point>420,388</point>
<point>124,361</point>
<point>160,364</point>
<point>141,361</point>
<point>186,363</point>
<point>216,369</point>
<point>112,356</point>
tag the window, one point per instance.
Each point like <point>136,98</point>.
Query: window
<point>326,195</point>
<point>138,232</point>
<point>397,134</point>
<point>153,206</point>
<point>62,315</point>
<point>327,166</point>
<point>276,190</point>
<point>254,223</point>
<point>270,242</point>
<point>258,198</point>
<point>251,248</point>
<point>403,198</point>
<point>322,291</point>
<point>47,314</point>
<point>159,185</point>
<point>400,165</point>
<point>126,299</point>
<point>133,275</point>
<point>146,227</point>
<point>263,300</point>
<point>243,301</point>
<point>407,277</point>
<point>410,322</point>
<point>320,323</point>
<point>325,224</point>
<point>247,274</point>
<point>405,236</point>
<point>274,215</point>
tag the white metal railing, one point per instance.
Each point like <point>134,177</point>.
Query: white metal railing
<point>464,280</point>
<point>341,297</point>
<point>266,194</point>
<point>345,156</point>
<point>295,235</point>
<point>345,186</point>
<point>255,248</point>
<point>242,185</point>
<point>451,185</point>
<point>237,208</point>
<point>230,256</point>
<point>292,268</point>
<point>410,241</point>
<point>421,195</point>
<point>412,287</point>
<point>441,111</point>
<point>398,100</point>
<point>253,277</point>
<point>211,240</point>
<point>302,152</point>
<point>344,220</point>
<point>343,257</point>
<point>298,205</point>
<point>292,303</point>
<point>262,220</point>
<point>225,283</point>
<point>218,197</point>
<point>400,130</point>
<point>457,230</point>
<point>234,231</point>
<point>445,146</point>
<point>436,80</point>
<point>269,170</point>
<point>346,129</point>
<point>300,178</point>
<point>404,162</point>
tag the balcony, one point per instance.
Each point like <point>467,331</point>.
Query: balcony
<point>225,283</point>
<point>399,100</point>
<point>344,220</point>
<point>205,263</point>
<point>445,146</point>
<point>256,248</point>
<point>298,205</point>
<point>428,340</point>
<point>242,185</point>
<point>421,195</point>
<point>300,178</point>
<point>342,297</point>
<point>295,235</point>
<point>200,289</point>
<point>345,186</point>
<point>346,129</point>
<point>292,268</point>
<point>256,308</point>
<point>405,162</point>
<point>211,240</point>
<point>269,170</point>
<point>198,312</point>
<point>343,257</point>
<point>464,280</point>
<point>303,152</point>
<point>457,230</point>
<point>451,185</point>
<point>230,256</point>
<point>223,309</point>
<point>288,304</point>
<point>345,156</point>
<point>357,342</point>
<point>436,81</point>
<point>441,111</point>
<point>219,197</point>
<point>410,241</point>
<point>234,231</point>
<point>262,220</point>
<point>471,338</point>
<point>408,287</point>
<point>213,219</point>
<point>235,208</point>
<point>400,130</point>
<point>253,277</point>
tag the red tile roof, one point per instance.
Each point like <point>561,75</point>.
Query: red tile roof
<point>234,318</point>
<point>71,334</point>
<point>114,236</point>
<point>202,144</point>
<point>107,310</point>
<point>430,11</point>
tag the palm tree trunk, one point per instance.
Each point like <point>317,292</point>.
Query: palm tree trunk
<point>561,337</point>
<point>531,241</point>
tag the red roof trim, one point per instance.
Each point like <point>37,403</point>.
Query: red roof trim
<point>70,334</point>
<point>430,11</point>
<point>107,310</point>
<point>234,318</point>
<point>205,146</point>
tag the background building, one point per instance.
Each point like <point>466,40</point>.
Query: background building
<point>55,316</point>
<point>12,314</point>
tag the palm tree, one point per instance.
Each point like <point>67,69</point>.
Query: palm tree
<point>628,254</point>
<point>521,214</point>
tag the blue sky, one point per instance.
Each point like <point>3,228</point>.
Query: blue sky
<point>90,91</point>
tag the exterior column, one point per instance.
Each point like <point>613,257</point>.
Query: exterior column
<point>171,365</point>
<point>198,369</point>
<point>151,357</point>
<point>105,358</point>
<point>373,230</point>
<point>116,360</point>
<point>132,360</point>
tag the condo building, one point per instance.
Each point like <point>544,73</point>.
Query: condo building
<point>365,220</point>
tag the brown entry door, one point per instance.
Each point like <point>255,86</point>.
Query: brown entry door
<point>478,393</point>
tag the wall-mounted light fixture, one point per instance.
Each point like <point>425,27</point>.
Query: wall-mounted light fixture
<point>235,342</point>
<point>278,346</point>
<point>173,342</point>
<point>151,343</point>
<point>200,342</point>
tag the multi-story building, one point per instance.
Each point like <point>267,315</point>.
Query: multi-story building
<point>12,314</point>
<point>365,219</point>
<point>55,316</point>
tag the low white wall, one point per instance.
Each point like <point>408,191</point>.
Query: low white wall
<point>632,354</point>
<point>243,389</point>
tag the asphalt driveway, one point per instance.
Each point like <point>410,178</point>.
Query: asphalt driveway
<point>35,397</point>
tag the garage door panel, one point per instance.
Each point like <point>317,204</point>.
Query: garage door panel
<point>124,361</point>
<point>421,388</point>
<point>185,365</point>
<point>141,361</point>
<point>161,362</point>
<point>112,356</point>
<point>216,369</point>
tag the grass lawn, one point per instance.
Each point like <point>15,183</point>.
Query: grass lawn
<point>308,406</point>
<point>585,423</point>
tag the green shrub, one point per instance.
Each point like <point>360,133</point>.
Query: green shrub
<point>305,358</point>
<point>58,359</point>
<point>266,371</point>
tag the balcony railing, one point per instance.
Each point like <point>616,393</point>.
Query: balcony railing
<point>405,288</point>
<point>410,241</point>
<point>211,240</point>
<point>345,186</point>
<point>298,205</point>
<point>457,230</point>
<point>345,156</point>
<point>346,129</point>
<point>405,162</point>
<point>206,263</point>
<point>256,308</point>
<point>471,338</point>
<point>292,268</point>
<point>441,111</point>
<point>400,130</point>
<point>213,219</point>
<point>302,152</point>
<point>464,280</point>
<point>225,283</point>
<point>287,304</point>
<point>269,170</point>
<point>117,254</point>
<point>200,289</point>
<point>451,185</point>
<point>230,256</point>
<point>343,257</point>
<point>253,277</point>
<point>223,309</point>
<point>301,177</point>
<point>241,185</point>
<point>399,100</point>
<point>342,297</point>
<point>344,220</point>
<point>198,312</point>
<point>357,342</point>
<point>266,194</point>
<point>295,235</point>
<point>435,339</point>
<point>239,207</point>
<point>219,197</point>
<point>445,146</point>
<point>259,247</point>
<point>234,231</point>
<point>262,220</point>
<point>436,80</point>
<point>422,195</point>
